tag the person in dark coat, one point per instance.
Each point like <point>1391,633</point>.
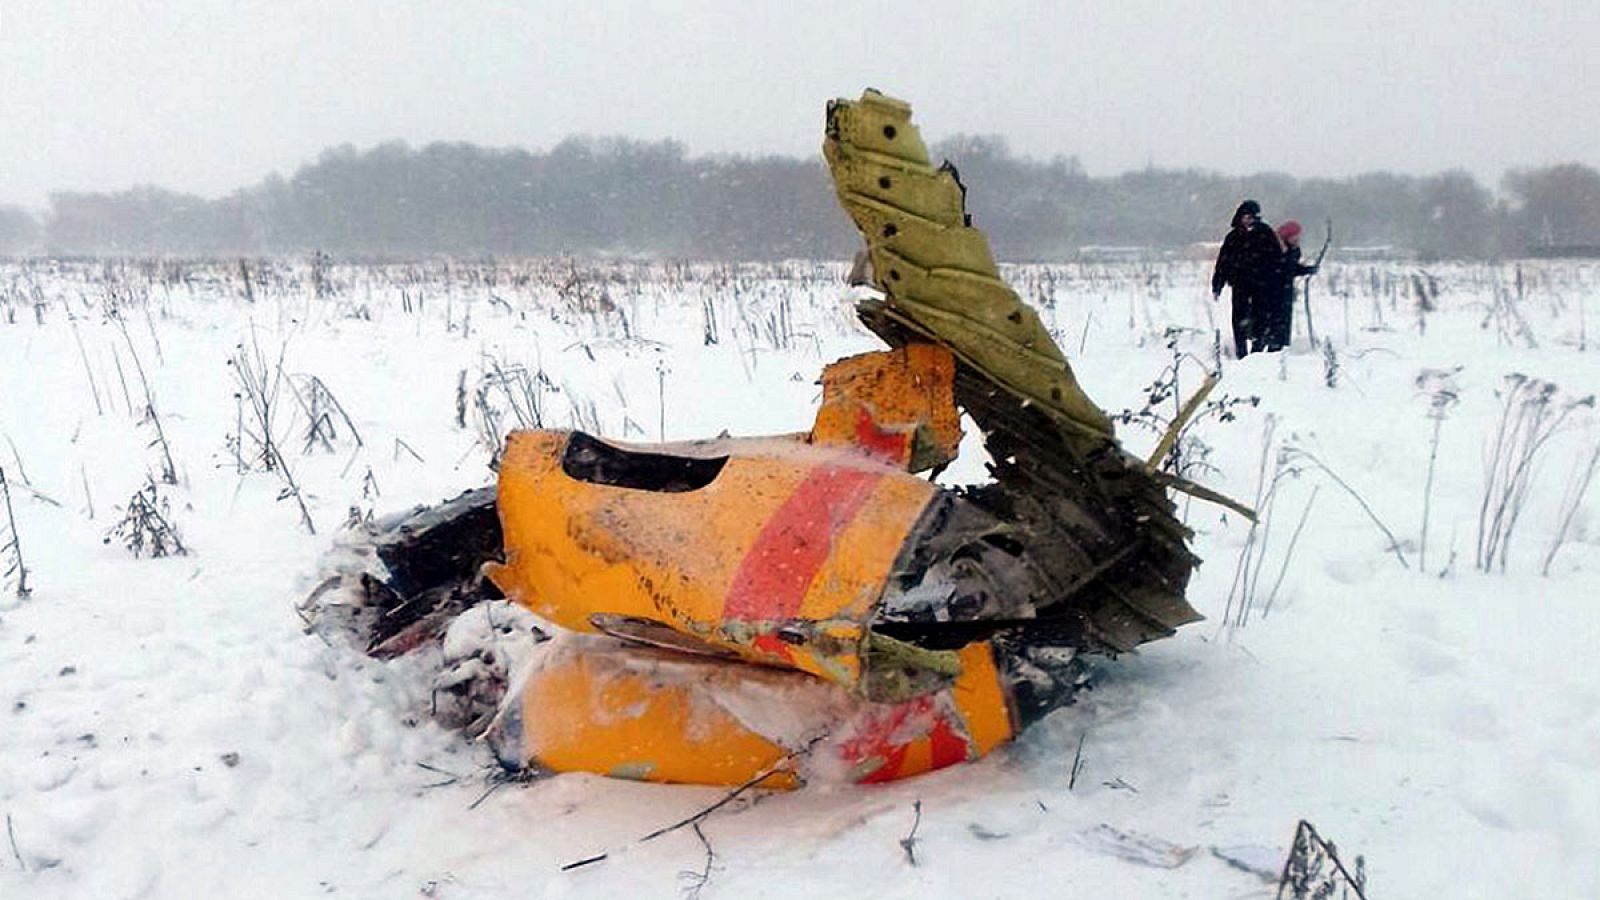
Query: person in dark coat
<point>1249,263</point>
<point>1280,317</point>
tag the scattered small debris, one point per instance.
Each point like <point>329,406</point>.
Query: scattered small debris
<point>434,887</point>
<point>590,860</point>
<point>501,778</point>
<point>1077,762</point>
<point>1257,860</point>
<point>449,777</point>
<point>696,881</point>
<point>1134,847</point>
<point>11,832</point>
<point>984,834</point>
<point>909,842</point>
<point>230,759</point>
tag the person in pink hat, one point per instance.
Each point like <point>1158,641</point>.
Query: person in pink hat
<point>1278,316</point>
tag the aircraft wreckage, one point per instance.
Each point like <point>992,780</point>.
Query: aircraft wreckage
<point>807,607</point>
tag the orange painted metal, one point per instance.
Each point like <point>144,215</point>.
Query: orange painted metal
<point>602,707</point>
<point>778,560</point>
<point>776,563</point>
<point>898,405</point>
<point>628,715</point>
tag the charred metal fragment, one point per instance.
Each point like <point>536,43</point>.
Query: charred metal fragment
<point>433,557</point>
<point>436,545</point>
<point>960,564</point>
<point>1041,667</point>
<point>589,459</point>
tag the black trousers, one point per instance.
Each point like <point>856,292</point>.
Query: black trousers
<point>1274,318</point>
<point>1251,306</point>
<point>1283,322</point>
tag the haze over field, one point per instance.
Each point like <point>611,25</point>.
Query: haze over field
<point>100,95</point>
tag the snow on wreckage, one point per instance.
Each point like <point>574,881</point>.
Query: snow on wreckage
<point>805,607</point>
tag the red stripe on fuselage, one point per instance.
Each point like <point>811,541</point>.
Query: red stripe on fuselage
<point>778,569</point>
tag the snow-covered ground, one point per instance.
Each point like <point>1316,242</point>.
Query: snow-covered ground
<point>168,729</point>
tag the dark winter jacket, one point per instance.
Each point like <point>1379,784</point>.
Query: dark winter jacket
<point>1290,268</point>
<point>1249,259</point>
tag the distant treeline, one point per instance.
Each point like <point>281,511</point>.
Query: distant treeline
<point>631,197</point>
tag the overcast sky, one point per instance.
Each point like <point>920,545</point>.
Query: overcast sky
<point>210,95</point>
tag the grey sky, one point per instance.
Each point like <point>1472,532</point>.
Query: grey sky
<point>209,95</point>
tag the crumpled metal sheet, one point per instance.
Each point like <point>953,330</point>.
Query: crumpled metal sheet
<point>1094,522</point>
<point>803,606</point>
<point>935,268</point>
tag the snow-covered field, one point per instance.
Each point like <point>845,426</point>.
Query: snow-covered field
<point>169,729</point>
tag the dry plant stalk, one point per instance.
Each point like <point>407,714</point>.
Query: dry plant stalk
<point>1529,417</point>
<point>169,472</point>
<point>1577,489</point>
<point>15,565</point>
<point>1440,386</point>
<point>504,399</point>
<point>146,526</point>
<point>323,413</point>
<point>260,391</point>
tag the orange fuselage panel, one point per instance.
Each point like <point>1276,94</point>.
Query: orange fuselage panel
<point>591,705</point>
<point>780,559</point>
